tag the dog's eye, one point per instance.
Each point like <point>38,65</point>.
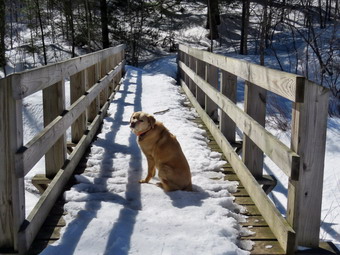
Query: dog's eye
<point>141,120</point>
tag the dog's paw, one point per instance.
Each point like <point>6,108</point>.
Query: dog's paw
<point>143,181</point>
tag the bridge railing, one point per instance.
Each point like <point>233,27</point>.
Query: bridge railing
<point>93,81</point>
<point>210,81</point>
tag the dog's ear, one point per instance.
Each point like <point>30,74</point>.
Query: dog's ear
<point>152,121</point>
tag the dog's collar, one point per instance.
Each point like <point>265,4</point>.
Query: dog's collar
<point>141,134</point>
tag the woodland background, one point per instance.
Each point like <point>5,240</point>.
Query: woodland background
<point>301,35</point>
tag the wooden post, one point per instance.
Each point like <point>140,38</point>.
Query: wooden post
<point>192,66</point>
<point>212,79</point>
<point>101,73</point>
<point>228,88</point>
<point>78,85</point>
<point>122,73</point>
<point>186,62</point>
<point>115,62</point>
<point>179,70</point>
<point>54,105</point>
<point>12,190</point>
<point>98,74</point>
<point>200,70</point>
<point>309,125</point>
<point>91,78</point>
<point>255,107</point>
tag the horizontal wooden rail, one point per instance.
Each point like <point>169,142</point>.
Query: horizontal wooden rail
<point>50,196</point>
<point>29,82</point>
<point>93,79</point>
<point>282,230</point>
<point>283,156</point>
<point>210,81</point>
<point>32,152</point>
<point>287,85</point>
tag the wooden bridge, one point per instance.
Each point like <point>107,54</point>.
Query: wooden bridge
<point>210,82</point>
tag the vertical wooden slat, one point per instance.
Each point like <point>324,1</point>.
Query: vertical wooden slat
<point>309,125</point>
<point>228,88</point>
<point>54,105</point>
<point>192,66</point>
<point>78,85</point>
<point>200,70</point>
<point>212,79</point>
<point>186,61</point>
<point>115,62</point>
<point>255,107</point>
<point>12,196</point>
<point>91,80</point>
<point>101,73</point>
<point>110,67</point>
<point>122,73</point>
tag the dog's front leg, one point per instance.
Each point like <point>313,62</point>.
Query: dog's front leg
<point>151,170</point>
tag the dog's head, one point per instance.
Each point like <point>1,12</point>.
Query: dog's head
<point>141,122</point>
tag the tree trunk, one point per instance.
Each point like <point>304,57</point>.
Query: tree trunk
<point>263,31</point>
<point>41,30</point>
<point>244,28</point>
<point>104,21</point>
<point>213,19</point>
<point>88,23</point>
<point>69,21</point>
<point>2,35</point>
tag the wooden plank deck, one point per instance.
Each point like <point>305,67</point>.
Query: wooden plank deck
<point>51,229</point>
<point>265,243</point>
<point>264,239</point>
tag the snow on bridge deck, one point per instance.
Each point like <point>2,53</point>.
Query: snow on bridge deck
<point>108,212</point>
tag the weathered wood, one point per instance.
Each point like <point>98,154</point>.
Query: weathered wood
<point>200,71</point>
<point>16,159</point>
<point>78,88</point>
<point>255,107</point>
<point>284,157</point>
<point>111,65</point>
<point>260,233</point>
<point>93,109</point>
<point>12,192</point>
<point>287,85</point>
<point>255,221</point>
<point>280,227</point>
<point>267,247</point>
<point>40,144</point>
<point>261,244</point>
<point>229,89</point>
<point>41,182</point>
<point>40,212</point>
<point>101,72</point>
<point>192,65</point>
<point>251,210</point>
<point>212,79</point>
<point>309,125</point>
<point>29,82</point>
<point>54,106</point>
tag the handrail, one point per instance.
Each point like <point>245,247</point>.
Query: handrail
<point>283,156</point>
<point>210,82</point>
<point>93,82</point>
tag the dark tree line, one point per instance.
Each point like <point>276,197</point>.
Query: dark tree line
<point>87,24</point>
<point>147,25</point>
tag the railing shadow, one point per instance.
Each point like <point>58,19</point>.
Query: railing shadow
<point>131,201</point>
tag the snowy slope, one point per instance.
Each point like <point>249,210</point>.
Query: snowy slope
<point>109,212</point>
